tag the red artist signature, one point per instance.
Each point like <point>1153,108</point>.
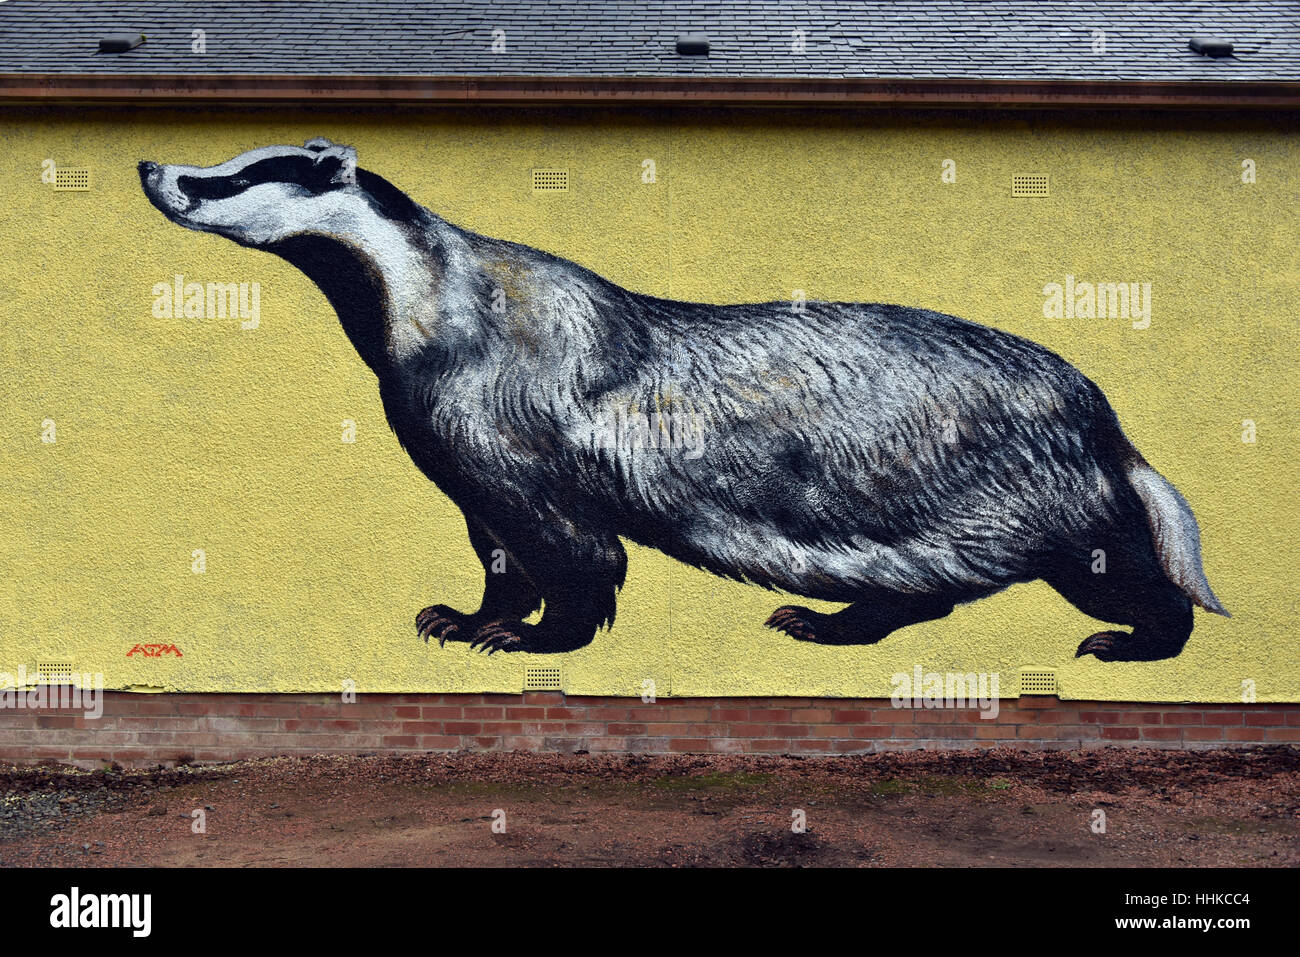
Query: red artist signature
<point>155,651</point>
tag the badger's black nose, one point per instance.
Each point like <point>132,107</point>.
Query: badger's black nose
<point>146,167</point>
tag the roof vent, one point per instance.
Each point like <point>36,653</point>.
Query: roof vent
<point>693,44</point>
<point>120,42</point>
<point>1210,46</point>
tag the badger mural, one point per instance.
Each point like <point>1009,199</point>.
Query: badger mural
<point>896,460</point>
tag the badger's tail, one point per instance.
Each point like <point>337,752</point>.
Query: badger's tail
<point>1174,531</point>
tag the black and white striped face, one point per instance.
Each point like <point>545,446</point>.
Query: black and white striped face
<point>260,197</point>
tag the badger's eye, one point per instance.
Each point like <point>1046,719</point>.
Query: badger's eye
<point>239,182</point>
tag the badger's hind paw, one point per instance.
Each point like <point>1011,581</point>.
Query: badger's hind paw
<point>1141,645</point>
<point>1105,645</point>
<point>796,621</point>
<point>439,621</point>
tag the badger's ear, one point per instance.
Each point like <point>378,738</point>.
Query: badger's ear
<point>317,143</point>
<point>340,162</point>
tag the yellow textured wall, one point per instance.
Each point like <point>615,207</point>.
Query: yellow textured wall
<point>176,434</point>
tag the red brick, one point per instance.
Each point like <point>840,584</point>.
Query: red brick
<point>730,714</point>
<point>1243,734</point>
<point>543,697</point>
<point>1162,734</point>
<point>991,729</point>
<point>442,712</point>
<point>567,713</point>
<point>461,727</point>
<point>812,715</point>
<point>851,716</point>
<point>503,727</point>
<point>626,729</point>
<point>1223,717</point>
<point>869,731</point>
<point>521,713</point>
<point>1121,734</point>
<point>1040,702</point>
<point>1259,719</point>
<point>769,714</point>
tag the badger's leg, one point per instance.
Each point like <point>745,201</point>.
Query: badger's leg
<point>1131,591</point>
<point>864,622</point>
<point>578,578</point>
<point>508,593</point>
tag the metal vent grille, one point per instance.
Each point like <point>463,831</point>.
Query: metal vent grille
<point>54,672</point>
<point>542,678</point>
<point>1029,184</point>
<point>1038,681</point>
<point>550,181</point>
<point>72,177</point>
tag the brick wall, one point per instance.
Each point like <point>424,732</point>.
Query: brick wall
<point>149,729</point>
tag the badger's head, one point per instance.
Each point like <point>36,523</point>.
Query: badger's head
<point>373,251</point>
<point>263,196</point>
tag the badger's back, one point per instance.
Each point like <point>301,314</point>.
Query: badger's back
<point>858,443</point>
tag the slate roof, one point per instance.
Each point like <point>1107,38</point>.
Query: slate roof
<point>998,39</point>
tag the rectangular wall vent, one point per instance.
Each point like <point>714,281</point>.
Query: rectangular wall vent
<point>70,177</point>
<point>1037,681</point>
<point>550,181</point>
<point>54,672</point>
<point>542,678</point>
<point>1029,184</point>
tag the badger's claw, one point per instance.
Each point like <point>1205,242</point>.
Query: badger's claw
<point>441,622</point>
<point>1106,645</point>
<point>499,636</point>
<point>795,620</point>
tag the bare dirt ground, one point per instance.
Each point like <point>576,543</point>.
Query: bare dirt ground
<point>996,807</point>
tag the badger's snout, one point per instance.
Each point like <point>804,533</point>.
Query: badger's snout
<point>151,176</point>
<point>165,188</point>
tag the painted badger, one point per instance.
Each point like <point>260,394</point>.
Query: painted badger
<point>896,460</point>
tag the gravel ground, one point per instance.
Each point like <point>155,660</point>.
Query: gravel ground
<point>1003,807</point>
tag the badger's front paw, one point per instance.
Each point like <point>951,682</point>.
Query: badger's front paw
<point>542,638</point>
<point>445,624</point>
<point>505,636</point>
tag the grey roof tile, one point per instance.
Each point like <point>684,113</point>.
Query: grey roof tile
<point>992,39</point>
